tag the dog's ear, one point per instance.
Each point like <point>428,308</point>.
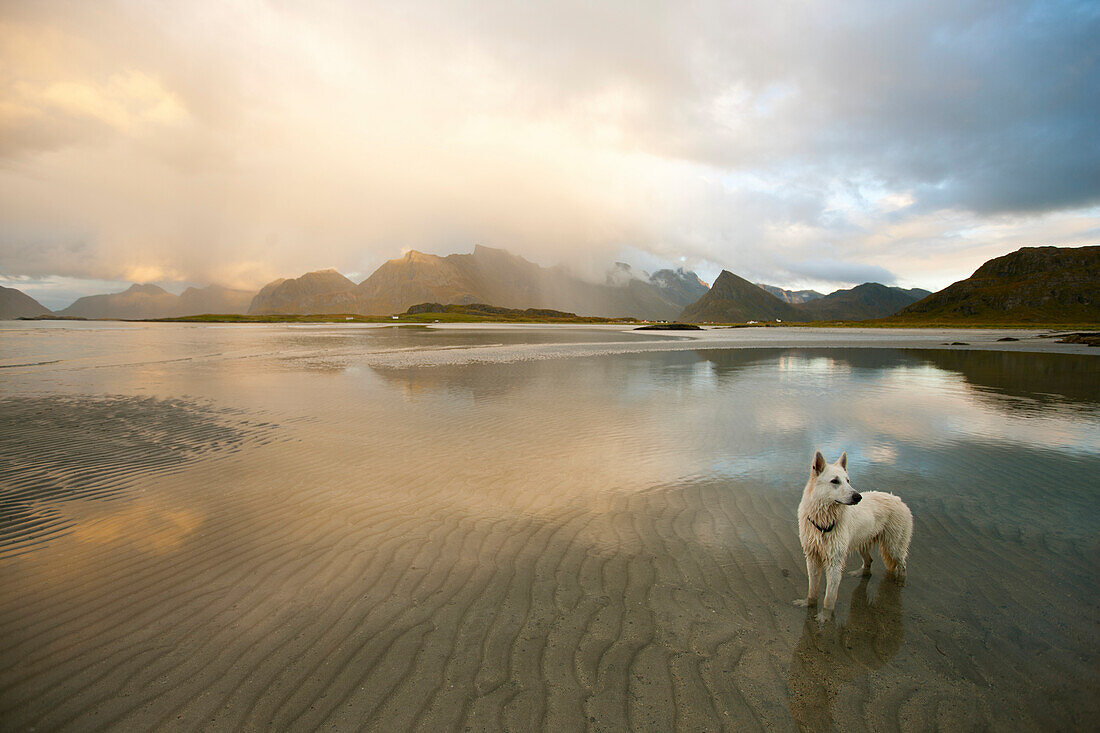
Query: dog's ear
<point>843,460</point>
<point>819,463</point>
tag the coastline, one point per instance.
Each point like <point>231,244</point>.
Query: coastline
<point>329,343</point>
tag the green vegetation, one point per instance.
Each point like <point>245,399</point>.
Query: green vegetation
<point>274,318</point>
<point>481,312</point>
<point>436,314</point>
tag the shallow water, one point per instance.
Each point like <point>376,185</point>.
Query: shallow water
<point>522,528</point>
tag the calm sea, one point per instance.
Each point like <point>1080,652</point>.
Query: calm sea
<point>517,528</point>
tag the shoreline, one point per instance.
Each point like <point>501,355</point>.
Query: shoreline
<point>434,317</point>
<point>328,346</point>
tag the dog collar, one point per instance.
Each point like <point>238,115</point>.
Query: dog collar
<point>823,530</point>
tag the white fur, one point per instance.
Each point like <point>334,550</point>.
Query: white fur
<point>858,521</point>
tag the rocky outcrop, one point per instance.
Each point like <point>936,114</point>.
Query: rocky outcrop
<point>1030,285</point>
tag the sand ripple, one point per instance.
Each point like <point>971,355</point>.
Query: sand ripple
<point>57,449</point>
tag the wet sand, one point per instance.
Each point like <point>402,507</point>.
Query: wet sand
<point>295,532</point>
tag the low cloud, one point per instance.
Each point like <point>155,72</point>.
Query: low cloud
<point>841,272</point>
<point>233,142</point>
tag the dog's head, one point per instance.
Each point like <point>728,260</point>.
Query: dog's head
<point>830,480</point>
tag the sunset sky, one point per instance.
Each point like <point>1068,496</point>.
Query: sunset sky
<point>798,143</point>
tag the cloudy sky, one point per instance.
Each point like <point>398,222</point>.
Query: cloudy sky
<point>803,143</point>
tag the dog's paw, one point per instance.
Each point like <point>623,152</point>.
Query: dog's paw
<point>824,616</point>
<point>805,602</point>
<point>899,577</point>
<point>860,573</point>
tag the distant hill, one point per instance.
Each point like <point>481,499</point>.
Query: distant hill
<point>455,279</point>
<point>486,275</point>
<point>137,301</point>
<point>863,302</point>
<point>794,297</point>
<point>213,299</point>
<point>1030,285</point>
<point>733,299</point>
<point>153,301</point>
<point>17,304</point>
<point>324,291</point>
<point>736,300</point>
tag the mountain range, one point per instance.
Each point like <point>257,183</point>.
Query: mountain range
<point>733,299</point>
<point>486,275</point>
<point>1032,285</point>
<point>861,303</point>
<point>153,301</point>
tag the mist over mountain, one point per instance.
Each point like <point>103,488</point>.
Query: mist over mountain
<point>213,299</point>
<point>681,286</point>
<point>794,297</point>
<point>495,276</point>
<point>1030,285</point>
<point>17,304</point>
<point>324,291</point>
<point>137,301</point>
<point>153,301</point>
<point>487,275</point>
<point>1034,284</point>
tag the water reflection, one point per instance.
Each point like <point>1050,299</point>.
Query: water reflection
<point>1057,379</point>
<point>1040,379</point>
<point>600,535</point>
<point>828,657</point>
<point>1014,383</point>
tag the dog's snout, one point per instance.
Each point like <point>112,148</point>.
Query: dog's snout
<point>856,496</point>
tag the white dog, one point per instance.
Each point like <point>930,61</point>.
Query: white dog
<point>834,519</point>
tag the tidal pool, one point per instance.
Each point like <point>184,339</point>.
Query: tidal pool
<point>520,528</point>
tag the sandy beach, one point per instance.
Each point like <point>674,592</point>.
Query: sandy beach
<point>508,528</point>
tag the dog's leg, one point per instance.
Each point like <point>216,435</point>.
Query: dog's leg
<point>865,553</point>
<point>895,566</point>
<point>813,570</point>
<point>833,573</point>
<point>899,574</point>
